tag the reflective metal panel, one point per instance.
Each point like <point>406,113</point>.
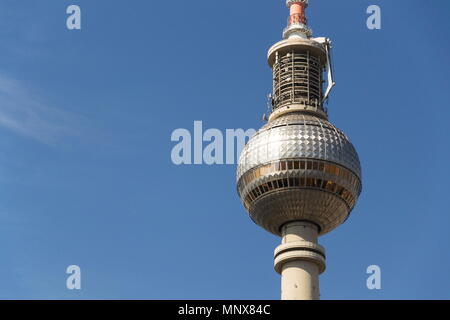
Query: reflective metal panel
<point>299,136</point>
<point>299,167</point>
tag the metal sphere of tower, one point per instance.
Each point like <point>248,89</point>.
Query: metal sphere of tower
<point>299,167</point>
<point>299,176</point>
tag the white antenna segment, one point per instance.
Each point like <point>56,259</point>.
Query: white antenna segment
<point>330,79</point>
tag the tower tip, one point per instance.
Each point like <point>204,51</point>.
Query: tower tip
<point>297,22</point>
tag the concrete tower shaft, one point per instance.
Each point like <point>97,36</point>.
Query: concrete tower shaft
<point>300,260</point>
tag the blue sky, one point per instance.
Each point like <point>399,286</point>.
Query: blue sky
<point>86,176</point>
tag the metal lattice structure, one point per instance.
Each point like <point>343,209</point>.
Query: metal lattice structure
<point>297,79</point>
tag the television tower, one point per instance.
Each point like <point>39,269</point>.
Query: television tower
<point>299,176</point>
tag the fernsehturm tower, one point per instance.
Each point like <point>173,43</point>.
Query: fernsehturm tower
<point>299,176</point>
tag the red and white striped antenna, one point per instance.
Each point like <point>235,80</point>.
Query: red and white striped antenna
<point>297,22</point>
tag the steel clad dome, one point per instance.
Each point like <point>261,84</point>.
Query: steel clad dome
<point>299,167</point>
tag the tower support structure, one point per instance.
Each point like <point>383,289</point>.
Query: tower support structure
<point>300,260</point>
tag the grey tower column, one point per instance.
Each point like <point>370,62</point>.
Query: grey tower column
<point>300,260</point>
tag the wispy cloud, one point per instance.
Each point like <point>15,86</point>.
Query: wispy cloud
<point>23,112</point>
